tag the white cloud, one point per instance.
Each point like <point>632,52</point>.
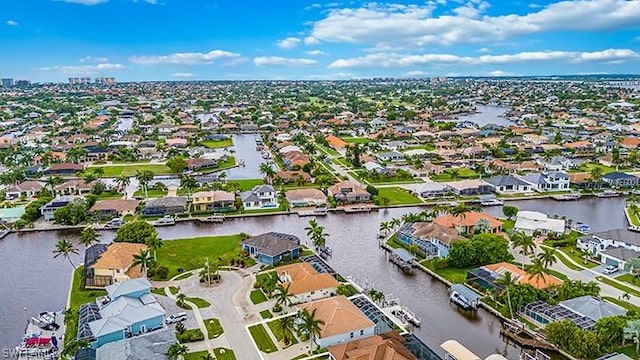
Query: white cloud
<point>281,61</point>
<point>94,59</point>
<point>416,25</point>
<point>499,73</point>
<point>288,43</point>
<point>483,50</point>
<point>315,52</point>
<point>182,75</point>
<point>310,40</point>
<point>84,69</point>
<point>86,2</point>
<point>12,23</point>
<point>415,73</point>
<point>188,58</point>
<point>396,60</point>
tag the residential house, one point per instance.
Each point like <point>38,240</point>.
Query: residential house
<point>305,283</point>
<point>295,159</point>
<point>584,181</point>
<point>10,215</point>
<point>433,240</point>
<point>619,179</point>
<point>336,143</point>
<point>470,187</point>
<point>260,197</point>
<point>128,310</point>
<point>48,209</point>
<point>74,187</point>
<point>342,321</point>
<point>114,265</point>
<point>548,181</point>
<point>467,223</point>
<point>390,156</point>
<point>272,248</point>
<point>583,311</point>
<point>113,208</point>
<point>200,163</point>
<point>486,277</point>
<point>508,184</point>
<point>213,201</point>
<point>168,205</point>
<point>288,177</point>
<point>430,190</point>
<point>558,163</point>
<point>348,192</point>
<point>305,198</point>
<point>151,346</point>
<point>615,247</point>
<point>530,222</point>
<point>27,189</point>
<point>63,169</point>
<point>387,346</point>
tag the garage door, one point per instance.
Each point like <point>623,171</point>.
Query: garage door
<point>610,261</point>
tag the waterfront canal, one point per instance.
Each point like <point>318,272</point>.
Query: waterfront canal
<point>33,279</point>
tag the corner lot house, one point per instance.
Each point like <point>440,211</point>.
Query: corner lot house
<point>531,221</point>
<point>348,192</point>
<point>272,247</point>
<point>432,239</point>
<point>128,310</point>
<point>115,265</point>
<point>343,321</point>
<point>305,283</point>
<point>466,224</point>
<point>615,247</point>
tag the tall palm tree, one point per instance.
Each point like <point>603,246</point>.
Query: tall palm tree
<point>311,228</point>
<point>189,183</point>
<point>310,325</point>
<point>154,243</point>
<point>548,257</point>
<point>286,325</point>
<point>507,281</point>
<point>98,172</point>
<point>122,181</point>
<point>144,260</point>
<point>176,350</point>
<point>89,236</point>
<point>283,296</point>
<point>180,299</point>
<point>385,227</point>
<point>65,248</point>
<point>596,174</point>
<point>524,242</point>
<point>537,270</point>
<point>268,172</point>
<point>51,182</point>
<point>89,177</point>
<point>144,177</point>
<point>207,356</point>
<point>395,222</point>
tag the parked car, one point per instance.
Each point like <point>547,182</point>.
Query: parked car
<point>114,223</point>
<point>174,318</point>
<point>610,269</point>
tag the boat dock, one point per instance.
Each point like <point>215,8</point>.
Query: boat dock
<point>41,338</point>
<point>523,337</point>
<point>403,259</point>
<point>465,297</point>
<point>357,209</point>
<point>401,312</point>
<point>215,218</point>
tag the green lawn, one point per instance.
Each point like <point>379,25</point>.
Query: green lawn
<point>248,184</point>
<point>363,176</point>
<point>341,161</point>
<point>79,296</point>
<point>274,326</point>
<point>266,314</point>
<point>455,275</point>
<point>428,147</point>
<point>634,217</point>
<point>587,166</point>
<point>357,140</point>
<point>463,173</point>
<point>394,243</point>
<point>620,287</point>
<point>215,144</point>
<point>577,255</point>
<point>623,304</point>
<point>213,328</point>
<point>152,193</point>
<point>199,302</point>
<point>262,339</point>
<point>398,196</point>
<point>229,162</point>
<point>159,291</point>
<point>190,254</point>
<point>629,350</point>
<point>257,297</point>
<point>117,170</point>
<point>191,335</point>
<point>183,276</point>
<point>224,354</point>
<point>195,355</point>
<point>174,290</point>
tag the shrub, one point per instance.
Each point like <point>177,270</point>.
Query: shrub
<point>277,309</point>
<point>372,190</point>
<point>161,272</point>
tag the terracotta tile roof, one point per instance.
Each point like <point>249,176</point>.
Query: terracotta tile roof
<point>119,256</point>
<point>304,278</point>
<point>336,142</point>
<point>468,219</point>
<point>578,144</point>
<point>298,194</point>
<point>523,277</point>
<point>120,205</point>
<point>339,314</point>
<point>388,346</point>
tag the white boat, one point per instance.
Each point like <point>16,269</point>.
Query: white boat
<point>567,197</point>
<point>40,340</point>
<point>492,202</point>
<point>405,315</point>
<point>215,218</point>
<point>320,210</point>
<point>357,209</point>
<point>607,193</point>
<point>165,221</point>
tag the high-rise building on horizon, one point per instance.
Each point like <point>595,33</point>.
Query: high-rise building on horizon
<point>7,82</point>
<point>23,82</point>
<point>105,80</point>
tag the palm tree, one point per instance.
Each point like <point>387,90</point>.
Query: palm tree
<point>596,174</point>
<point>89,236</point>
<point>65,248</point>
<point>283,296</point>
<point>98,172</point>
<point>394,223</point>
<point>286,325</point>
<point>460,211</point>
<point>507,281</point>
<point>72,347</point>
<point>537,270</point>
<point>455,173</point>
<point>318,237</point>
<point>524,242</point>
<point>51,182</point>
<point>154,243</point>
<point>207,356</point>
<point>548,257</point>
<point>385,227</point>
<point>144,260</point>
<point>122,181</point>
<point>268,172</point>
<point>176,350</point>
<point>310,325</point>
<point>143,177</point>
<point>312,228</point>
<point>180,299</point>
<point>188,183</point>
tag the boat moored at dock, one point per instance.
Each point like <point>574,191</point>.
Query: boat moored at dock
<point>40,340</point>
<point>320,210</point>
<point>165,221</point>
<point>607,194</point>
<point>567,197</point>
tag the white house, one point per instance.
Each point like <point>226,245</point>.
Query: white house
<point>548,181</point>
<point>260,197</point>
<point>615,247</point>
<point>343,321</point>
<point>305,283</point>
<point>531,221</point>
<point>508,184</point>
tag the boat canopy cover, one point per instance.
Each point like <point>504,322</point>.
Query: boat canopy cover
<point>38,342</point>
<point>458,351</point>
<point>496,357</point>
<point>466,292</point>
<point>403,254</point>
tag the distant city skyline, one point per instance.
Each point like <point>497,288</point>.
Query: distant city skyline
<point>136,40</point>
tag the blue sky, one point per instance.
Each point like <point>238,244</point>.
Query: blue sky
<point>51,40</point>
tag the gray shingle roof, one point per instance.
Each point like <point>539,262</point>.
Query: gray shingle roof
<point>152,346</point>
<point>273,243</point>
<point>506,180</point>
<point>592,308</point>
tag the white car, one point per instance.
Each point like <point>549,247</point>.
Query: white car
<point>610,269</point>
<point>174,318</point>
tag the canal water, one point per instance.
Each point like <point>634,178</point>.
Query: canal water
<point>486,115</point>
<point>32,279</point>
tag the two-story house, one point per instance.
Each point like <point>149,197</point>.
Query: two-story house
<point>114,264</point>
<point>305,283</point>
<point>615,247</point>
<point>548,181</point>
<point>619,179</point>
<point>348,192</point>
<point>213,201</point>
<point>260,197</point>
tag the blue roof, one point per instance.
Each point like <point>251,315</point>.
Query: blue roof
<point>466,292</point>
